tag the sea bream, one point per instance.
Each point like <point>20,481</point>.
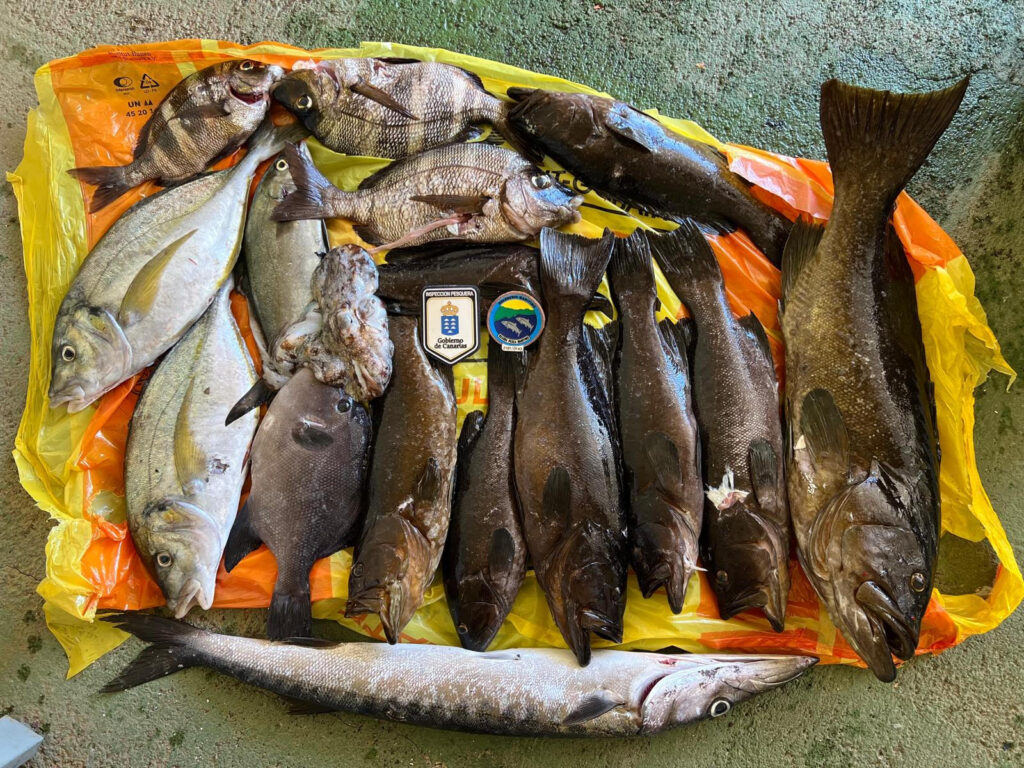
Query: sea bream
<point>183,469</point>
<point>863,463</point>
<point>388,107</point>
<point>524,692</point>
<point>472,192</point>
<point>204,118</point>
<point>151,276</point>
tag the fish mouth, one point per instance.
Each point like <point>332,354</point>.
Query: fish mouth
<point>248,97</point>
<point>192,594</point>
<point>478,624</point>
<point>73,397</point>
<point>889,628</point>
<point>386,606</point>
<point>767,597</point>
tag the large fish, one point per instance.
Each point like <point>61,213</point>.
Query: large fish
<point>183,469</point>
<point>309,462</point>
<point>863,462</point>
<point>388,107</point>
<point>474,192</point>
<point>410,488</point>
<point>566,466</point>
<point>150,277</point>
<point>630,156</point>
<point>485,555</point>
<point>524,692</point>
<point>736,400</point>
<point>204,118</point>
<point>660,446</point>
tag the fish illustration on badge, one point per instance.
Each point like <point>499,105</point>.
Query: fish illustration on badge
<point>515,320</point>
<point>450,328</point>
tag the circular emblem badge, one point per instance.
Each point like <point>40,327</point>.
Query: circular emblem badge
<point>515,320</point>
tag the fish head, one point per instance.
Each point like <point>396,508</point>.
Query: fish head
<point>478,612</point>
<point>89,355</point>
<point>307,94</point>
<point>556,121</point>
<point>532,200</point>
<point>181,546</point>
<point>250,81</point>
<point>277,182</point>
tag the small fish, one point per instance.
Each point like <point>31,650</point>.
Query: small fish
<point>660,445</point>
<point>863,464</point>
<point>508,324</point>
<point>485,556</point>
<point>183,469</point>
<point>410,488</point>
<point>204,118</point>
<point>309,463</point>
<point>736,401</point>
<point>473,192</point>
<point>388,107</point>
<point>619,151</point>
<point>525,323</point>
<point>565,454</point>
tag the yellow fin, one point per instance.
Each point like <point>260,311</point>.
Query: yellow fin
<point>141,294</point>
<point>190,461</point>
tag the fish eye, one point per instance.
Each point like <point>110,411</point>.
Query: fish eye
<point>344,405</point>
<point>281,165</point>
<point>164,559</point>
<point>918,582</point>
<point>722,577</point>
<point>246,65</point>
<point>541,181</point>
<point>67,353</point>
<point>304,102</point>
<point>719,707</point>
<point>462,629</point>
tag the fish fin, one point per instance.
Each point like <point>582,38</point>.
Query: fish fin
<point>428,488</point>
<point>169,650</point>
<point>876,140</point>
<point>557,495</point>
<point>259,394</point>
<point>571,267</point>
<point>663,456</point>
<point>502,554</point>
<point>592,707</point>
<point>110,182</point>
<point>312,642</point>
<point>455,203</point>
<point>503,131</point>
<point>508,654</point>
<point>243,539</point>
<point>764,473</point>
<point>621,122</point>
<point>373,93</point>
<point>800,248</point>
<point>311,436</point>
<point>504,369</point>
<point>601,303</point>
<point>306,201</point>
<point>685,331</point>
<point>472,426</point>
<point>630,265</point>
<point>290,613</point>
<point>142,292</point>
<point>823,429</point>
<point>688,262</point>
<point>398,60</point>
<point>301,707</point>
<point>190,460</point>
<point>752,325</point>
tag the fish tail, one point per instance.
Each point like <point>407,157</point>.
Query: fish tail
<point>290,613</point>
<point>110,181</point>
<point>504,369</point>
<point>571,267</point>
<point>630,266</point>
<point>689,264</point>
<point>876,140</point>
<point>171,648</point>
<point>312,189</point>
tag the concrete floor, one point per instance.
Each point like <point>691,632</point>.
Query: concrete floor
<point>749,72</point>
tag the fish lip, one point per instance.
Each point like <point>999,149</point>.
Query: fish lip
<point>253,97</point>
<point>191,594</point>
<point>73,397</point>
<point>888,625</point>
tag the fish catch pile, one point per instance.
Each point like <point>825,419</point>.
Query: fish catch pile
<point>648,444</point>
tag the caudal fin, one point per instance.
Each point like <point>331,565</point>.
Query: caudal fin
<point>170,649</point>
<point>571,267</point>
<point>876,140</point>
<point>311,188</point>
<point>290,614</point>
<point>630,267</point>
<point>110,181</point>
<point>689,265</point>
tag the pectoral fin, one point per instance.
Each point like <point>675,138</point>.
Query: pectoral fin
<point>142,293</point>
<point>626,127</point>
<point>557,495</point>
<point>190,460</point>
<point>428,489</point>
<point>501,555</point>
<point>663,456</point>
<point>764,473</point>
<point>593,706</point>
<point>373,93</point>
<point>824,431</point>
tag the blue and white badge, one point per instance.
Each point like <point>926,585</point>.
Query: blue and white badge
<point>515,320</point>
<point>449,326</point>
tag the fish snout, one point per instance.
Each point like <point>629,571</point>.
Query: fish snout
<point>191,594</point>
<point>888,624</point>
<point>73,397</point>
<point>478,623</point>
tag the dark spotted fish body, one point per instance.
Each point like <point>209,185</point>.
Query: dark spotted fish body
<point>863,462</point>
<point>205,117</point>
<point>388,108</point>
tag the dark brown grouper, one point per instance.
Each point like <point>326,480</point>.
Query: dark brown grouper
<point>309,462</point>
<point>736,400</point>
<point>410,487</point>
<point>485,556</point>
<point>630,156</point>
<point>565,459</point>
<point>388,107</point>
<point>658,430</point>
<point>863,463</point>
<point>204,118</point>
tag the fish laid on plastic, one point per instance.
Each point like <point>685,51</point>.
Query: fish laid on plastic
<point>863,464</point>
<point>736,400</point>
<point>475,192</point>
<point>309,463</point>
<point>660,446</point>
<point>183,469</point>
<point>485,555</point>
<point>620,151</point>
<point>388,107</point>
<point>150,277</point>
<point>526,692</point>
<point>566,466</point>
<point>410,487</point>
<point>204,118</point>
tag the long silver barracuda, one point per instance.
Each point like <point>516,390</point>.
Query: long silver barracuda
<point>183,468</point>
<point>525,692</point>
<point>150,277</point>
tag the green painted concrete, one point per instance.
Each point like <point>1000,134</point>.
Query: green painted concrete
<point>749,72</point>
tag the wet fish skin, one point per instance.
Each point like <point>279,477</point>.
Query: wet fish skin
<point>470,192</point>
<point>660,445</point>
<point>863,465</point>
<point>736,402</point>
<point>205,117</point>
<point>484,559</point>
<point>309,465</point>
<point>566,465</point>
<point>183,468</point>
<point>150,276</point>
<point>410,490</point>
<point>524,692</point>
<point>618,150</point>
<point>408,107</point>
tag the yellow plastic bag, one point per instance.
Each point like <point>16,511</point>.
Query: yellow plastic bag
<point>91,108</point>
